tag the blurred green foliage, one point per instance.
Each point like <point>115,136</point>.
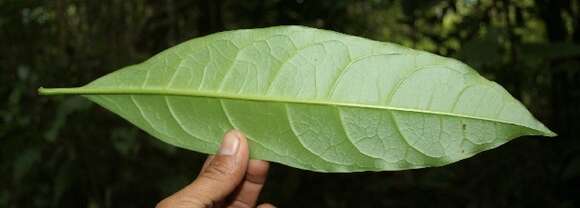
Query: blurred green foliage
<point>67,152</point>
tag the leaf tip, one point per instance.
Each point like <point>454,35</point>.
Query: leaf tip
<point>550,133</point>
<point>542,130</point>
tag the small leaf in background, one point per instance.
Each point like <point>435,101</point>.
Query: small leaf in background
<point>315,99</point>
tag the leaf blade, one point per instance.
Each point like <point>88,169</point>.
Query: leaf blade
<point>315,100</point>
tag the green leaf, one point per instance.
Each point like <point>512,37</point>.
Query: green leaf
<point>315,99</point>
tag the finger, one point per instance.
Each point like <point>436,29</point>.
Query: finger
<point>250,188</point>
<point>225,170</point>
<point>220,176</point>
<point>266,205</point>
<point>206,163</point>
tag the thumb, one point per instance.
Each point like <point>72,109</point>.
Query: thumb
<point>219,177</point>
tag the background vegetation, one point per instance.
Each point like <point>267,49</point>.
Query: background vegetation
<point>67,152</point>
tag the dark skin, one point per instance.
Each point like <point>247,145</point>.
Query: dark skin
<point>227,179</point>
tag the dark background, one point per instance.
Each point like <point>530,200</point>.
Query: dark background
<point>66,152</point>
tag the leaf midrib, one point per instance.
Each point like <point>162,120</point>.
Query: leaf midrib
<point>223,95</point>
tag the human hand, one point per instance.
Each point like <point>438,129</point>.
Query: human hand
<point>228,179</point>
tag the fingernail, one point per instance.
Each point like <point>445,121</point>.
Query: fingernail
<point>230,144</point>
